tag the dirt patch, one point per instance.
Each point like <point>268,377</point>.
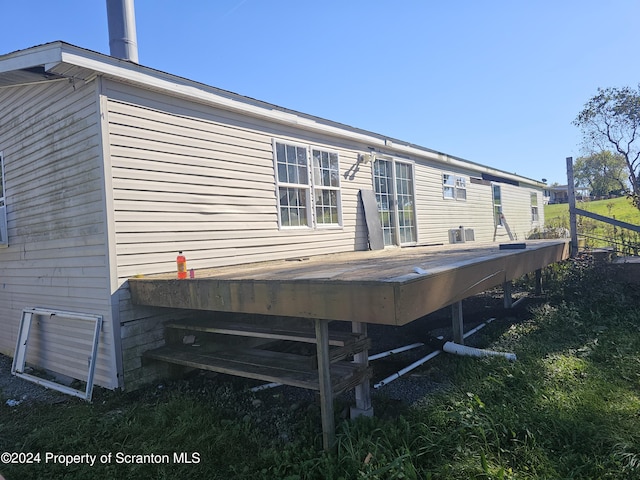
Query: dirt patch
<point>16,391</point>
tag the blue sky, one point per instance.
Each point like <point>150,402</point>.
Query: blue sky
<point>496,82</point>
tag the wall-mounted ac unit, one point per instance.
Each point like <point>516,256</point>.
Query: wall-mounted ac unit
<point>461,235</point>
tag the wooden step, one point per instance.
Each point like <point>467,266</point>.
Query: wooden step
<point>265,330</point>
<point>265,365</point>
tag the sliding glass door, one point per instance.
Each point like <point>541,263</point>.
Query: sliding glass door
<point>393,184</point>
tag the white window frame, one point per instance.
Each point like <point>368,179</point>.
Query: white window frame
<point>312,186</point>
<point>318,186</point>
<point>454,187</point>
<point>461,188</point>
<point>4,233</point>
<point>535,213</point>
<point>497,207</point>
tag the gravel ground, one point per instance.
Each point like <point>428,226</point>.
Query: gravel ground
<point>16,391</point>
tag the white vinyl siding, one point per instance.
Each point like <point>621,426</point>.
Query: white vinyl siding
<point>516,207</point>
<point>4,238</point>
<point>56,257</point>
<point>437,215</point>
<point>201,180</point>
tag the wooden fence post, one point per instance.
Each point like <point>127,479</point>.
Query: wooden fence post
<point>573,224</point>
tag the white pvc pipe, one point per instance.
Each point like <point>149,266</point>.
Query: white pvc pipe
<point>266,386</point>
<point>408,368</point>
<point>464,350</point>
<point>520,300</point>
<point>478,328</point>
<point>395,350</point>
<point>423,360</point>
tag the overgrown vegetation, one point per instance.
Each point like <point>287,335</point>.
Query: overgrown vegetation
<point>597,234</point>
<point>568,408</point>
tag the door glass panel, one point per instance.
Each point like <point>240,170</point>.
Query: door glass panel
<point>405,203</point>
<point>383,185</point>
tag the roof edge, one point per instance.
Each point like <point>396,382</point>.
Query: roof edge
<point>51,55</point>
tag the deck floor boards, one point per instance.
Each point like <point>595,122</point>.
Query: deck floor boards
<point>393,286</point>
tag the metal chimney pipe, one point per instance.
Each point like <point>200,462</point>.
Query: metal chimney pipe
<point>122,30</point>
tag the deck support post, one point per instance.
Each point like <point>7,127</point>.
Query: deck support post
<point>538,282</point>
<point>363,405</point>
<point>508,300</point>
<point>457,323</point>
<point>326,391</point>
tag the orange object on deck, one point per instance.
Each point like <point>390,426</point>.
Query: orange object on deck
<point>182,265</point>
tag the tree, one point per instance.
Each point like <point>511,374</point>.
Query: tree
<point>612,119</point>
<point>602,172</point>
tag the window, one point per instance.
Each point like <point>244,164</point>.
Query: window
<point>448,186</point>
<point>497,206</point>
<point>306,200</point>
<point>461,188</point>
<point>4,238</point>
<point>326,187</point>
<point>293,185</point>
<point>534,207</point>
<point>454,187</point>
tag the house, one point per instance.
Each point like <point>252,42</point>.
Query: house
<point>560,194</point>
<point>109,168</point>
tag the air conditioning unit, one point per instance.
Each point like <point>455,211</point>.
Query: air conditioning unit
<point>461,235</point>
<point>469,235</point>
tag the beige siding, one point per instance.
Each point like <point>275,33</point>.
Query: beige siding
<point>56,257</point>
<point>202,181</point>
<point>438,215</point>
<point>101,188</point>
<point>516,206</point>
<point>187,177</point>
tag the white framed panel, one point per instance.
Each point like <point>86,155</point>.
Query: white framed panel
<point>22,345</point>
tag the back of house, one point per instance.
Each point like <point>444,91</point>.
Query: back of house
<point>109,169</point>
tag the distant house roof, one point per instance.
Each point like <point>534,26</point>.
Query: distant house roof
<point>59,61</point>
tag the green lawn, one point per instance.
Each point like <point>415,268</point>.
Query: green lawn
<point>593,233</point>
<point>619,208</point>
<point>568,408</point>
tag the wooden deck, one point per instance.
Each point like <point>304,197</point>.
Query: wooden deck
<point>392,286</point>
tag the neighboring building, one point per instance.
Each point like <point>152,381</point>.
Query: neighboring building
<point>560,194</point>
<point>109,168</point>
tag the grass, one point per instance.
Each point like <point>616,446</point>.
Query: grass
<point>620,208</point>
<point>595,233</point>
<point>568,408</point>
